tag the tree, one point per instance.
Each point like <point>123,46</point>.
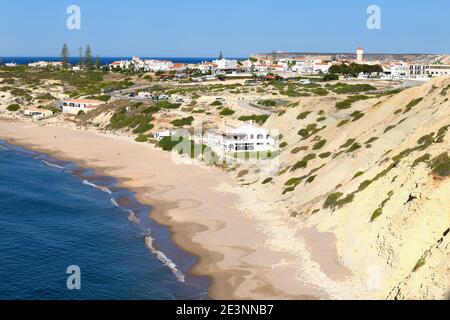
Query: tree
<point>80,62</point>
<point>221,55</point>
<point>88,58</point>
<point>97,62</point>
<point>65,56</point>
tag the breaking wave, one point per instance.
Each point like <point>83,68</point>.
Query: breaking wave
<point>164,259</point>
<point>104,189</point>
<point>52,165</point>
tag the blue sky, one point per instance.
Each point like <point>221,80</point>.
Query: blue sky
<point>181,28</point>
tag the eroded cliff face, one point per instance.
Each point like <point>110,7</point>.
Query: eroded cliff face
<point>376,175</point>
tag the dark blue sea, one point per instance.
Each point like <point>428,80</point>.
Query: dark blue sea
<point>54,214</point>
<point>103,61</point>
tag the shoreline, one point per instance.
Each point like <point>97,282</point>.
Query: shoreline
<point>211,238</point>
<point>179,261</point>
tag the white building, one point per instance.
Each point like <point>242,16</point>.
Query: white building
<point>45,64</point>
<point>429,70</point>
<point>206,67</point>
<point>149,65</point>
<point>359,55</point>
<point>74,106</point>
<point>38,114</point>
<point>321,67</point>
<point>246,138</point>
<point>159,135</point>
<point>225,65</point>
<point>396,70</point>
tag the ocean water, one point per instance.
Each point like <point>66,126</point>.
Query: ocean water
<point>54,215</point>
<point>105,60</point>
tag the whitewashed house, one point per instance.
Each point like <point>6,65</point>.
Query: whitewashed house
<point>322,66</point>
<point>74,106</point>
<point>159,135</point>
<point>38,114</point>
<point>225,65</point>
<point>246,138</point>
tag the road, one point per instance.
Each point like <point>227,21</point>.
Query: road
<point>247,106</point>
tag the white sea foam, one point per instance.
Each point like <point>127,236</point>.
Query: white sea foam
<point>3,148</point>
<point>164,259</point>
<point>132,217</point>
<point>52,165</point>
<point>149,243</point>
<point>104,189</point>
<point>114,202</point>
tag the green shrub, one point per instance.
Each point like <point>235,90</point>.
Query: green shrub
<point>13,107</point>
<point>330,77</point>
<point>371,140</point>
<point>296,150</point>
<point>45,96</point>
<point>347,103</point>
<point>423,159</point>
<point>268,180</point>
<point>142,128</point>
<point>267,103</point>
<point>151,110</point>
<point>216,103</point>
<point>183,122</point>
<point>325,155</point>
<point>358,174</point>
<point>310,179</point>
<point>354,147</point>
<point>167,105</point>
<point>357,115</point>
<point>261,119</point>
<point>348,143</point>
<point>389,128</point>
<point>142,138</point>
<point>242,173</point>
<point>319,145</point>
<point>293,182</point>
<point>440,165</point>
<point>377,213</point>
<point>302,164</point>
<point>168,143</point>
<point>227,112</point>
<point>419,264</point>
<point>320,91</point>
<point>290,189</point>
<point>283,145</point>
<point>343,123</point>
<point>303,115</point>
<point>335,200</point>
<point>412,104</point>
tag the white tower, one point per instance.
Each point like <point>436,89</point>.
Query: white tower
<point>359,55</point>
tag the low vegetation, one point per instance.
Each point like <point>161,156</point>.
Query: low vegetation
<point>13,107</point>
<point>183,122</point>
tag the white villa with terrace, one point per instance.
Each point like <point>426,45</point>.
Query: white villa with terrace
<point>246,138</point>
<point>74,106</point>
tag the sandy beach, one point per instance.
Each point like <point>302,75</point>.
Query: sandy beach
<point>189,199</point>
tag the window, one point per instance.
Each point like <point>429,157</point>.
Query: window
<point>260,136</point>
